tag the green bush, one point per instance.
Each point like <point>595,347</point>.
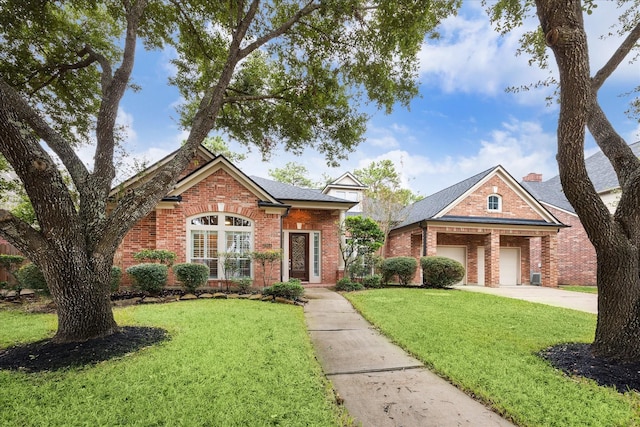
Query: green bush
<point>291,289</point>
<point>116,275</point>
<point>440,272</point>
<point>243,284</point>
<point>372,281</point>
<point>162,256</point>
<point>30,276</point>
<point>345,284</point>
<point>191,275</point>
<point>403,267</point>
<point>149,277</point>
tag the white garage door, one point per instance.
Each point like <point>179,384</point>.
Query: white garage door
<point>457,253</point>
<point>509,266</point>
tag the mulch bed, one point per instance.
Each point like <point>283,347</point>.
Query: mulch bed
<point>46,355</point>
<point>577,360</point>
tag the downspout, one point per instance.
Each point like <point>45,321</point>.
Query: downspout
<point>423,226</point>
<point>282,243</point>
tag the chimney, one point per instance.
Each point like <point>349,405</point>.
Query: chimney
<point>533,177</point>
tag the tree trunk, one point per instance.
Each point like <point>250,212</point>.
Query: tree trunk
<point>615,238</point>
<point>82,296</point>
<point>618,329</point>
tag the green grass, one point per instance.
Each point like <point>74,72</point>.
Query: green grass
<point>486,345</point>
<point>585,289</point>
<point>228,363</point>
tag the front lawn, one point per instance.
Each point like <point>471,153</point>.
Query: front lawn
<point>585,289</point>
<point>487,346</point>
<point>227,363</point>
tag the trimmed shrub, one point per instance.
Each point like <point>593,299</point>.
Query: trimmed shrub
<point>345,284</point>
<point>440,272</point>
<point>404,267</point>
<point>162,256</point>
<point>149,277</point>
<point>30,276</point>
<point>291,289</point>
<point>372,281</point>
<point>116,275</point>
<point>191,275</point>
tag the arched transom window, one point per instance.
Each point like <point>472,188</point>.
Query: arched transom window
<point>494,203</point>
<point>223,242</point>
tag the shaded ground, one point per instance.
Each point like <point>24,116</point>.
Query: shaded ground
<point>577,360</point>
<point>48,356</point>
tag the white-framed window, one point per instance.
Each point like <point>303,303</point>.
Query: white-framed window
<point>494,203</point>
<point>221,241</point>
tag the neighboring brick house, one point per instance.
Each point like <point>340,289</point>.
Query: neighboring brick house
<point>215,208</point>
<point>576,254</point>
<point>486,222</point>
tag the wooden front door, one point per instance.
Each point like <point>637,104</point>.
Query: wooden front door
<point>299,256</point>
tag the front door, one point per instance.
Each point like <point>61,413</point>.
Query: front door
<point>299,256</point>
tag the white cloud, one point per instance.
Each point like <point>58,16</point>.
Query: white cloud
<point>519,146</point>
<point>471,57</point>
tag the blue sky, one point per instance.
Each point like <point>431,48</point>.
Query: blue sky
<point>463,122</point>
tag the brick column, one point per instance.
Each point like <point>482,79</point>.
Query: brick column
<point>492,260</point>
<point>549,260</point>
<point>432,242</point>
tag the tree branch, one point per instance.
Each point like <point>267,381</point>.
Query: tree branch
<point>61,69</point>
<point>56,142</point>
<point>623,50</point>
<point>309,8</point>
<point>20,234</point>
<point>113,89</point>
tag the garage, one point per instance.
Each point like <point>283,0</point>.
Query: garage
<point>509,266</point>
<point>457,253</point>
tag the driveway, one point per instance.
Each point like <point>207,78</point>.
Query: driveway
<point>551,296</point>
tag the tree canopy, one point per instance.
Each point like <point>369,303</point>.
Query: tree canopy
<point>267,74</point>
<point>293,173</point>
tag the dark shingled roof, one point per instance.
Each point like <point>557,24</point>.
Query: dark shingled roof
<point>431,205</point>
<point>282,191</point>
<point>600,172</point>
<point>489,220</point>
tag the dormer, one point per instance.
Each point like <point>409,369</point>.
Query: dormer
<point>347,187</point>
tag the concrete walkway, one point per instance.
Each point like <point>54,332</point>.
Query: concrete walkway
<point>551,296</point>
<point>380,383</point>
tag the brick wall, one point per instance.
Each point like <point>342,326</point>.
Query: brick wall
<point>513,206</point>
<point>167,228</point>
<point>575,254</point>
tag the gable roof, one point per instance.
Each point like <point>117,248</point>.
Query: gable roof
<point>436,206</point>
<point>600,172</point>
<point>269,192</point>
<point>148,172</point>
<point>346,181</point>
<point>431,205</point>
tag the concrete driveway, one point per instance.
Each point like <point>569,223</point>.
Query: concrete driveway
<point>551,296</point>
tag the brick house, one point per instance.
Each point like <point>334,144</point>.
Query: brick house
<point>215,208</point>
<point>486,222</point>
<point>576,255</point>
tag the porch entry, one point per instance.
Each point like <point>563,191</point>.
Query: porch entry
<point>299,256</point>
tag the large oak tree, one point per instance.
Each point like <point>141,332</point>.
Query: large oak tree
<point>267,73</point>
<point>616,237</point>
